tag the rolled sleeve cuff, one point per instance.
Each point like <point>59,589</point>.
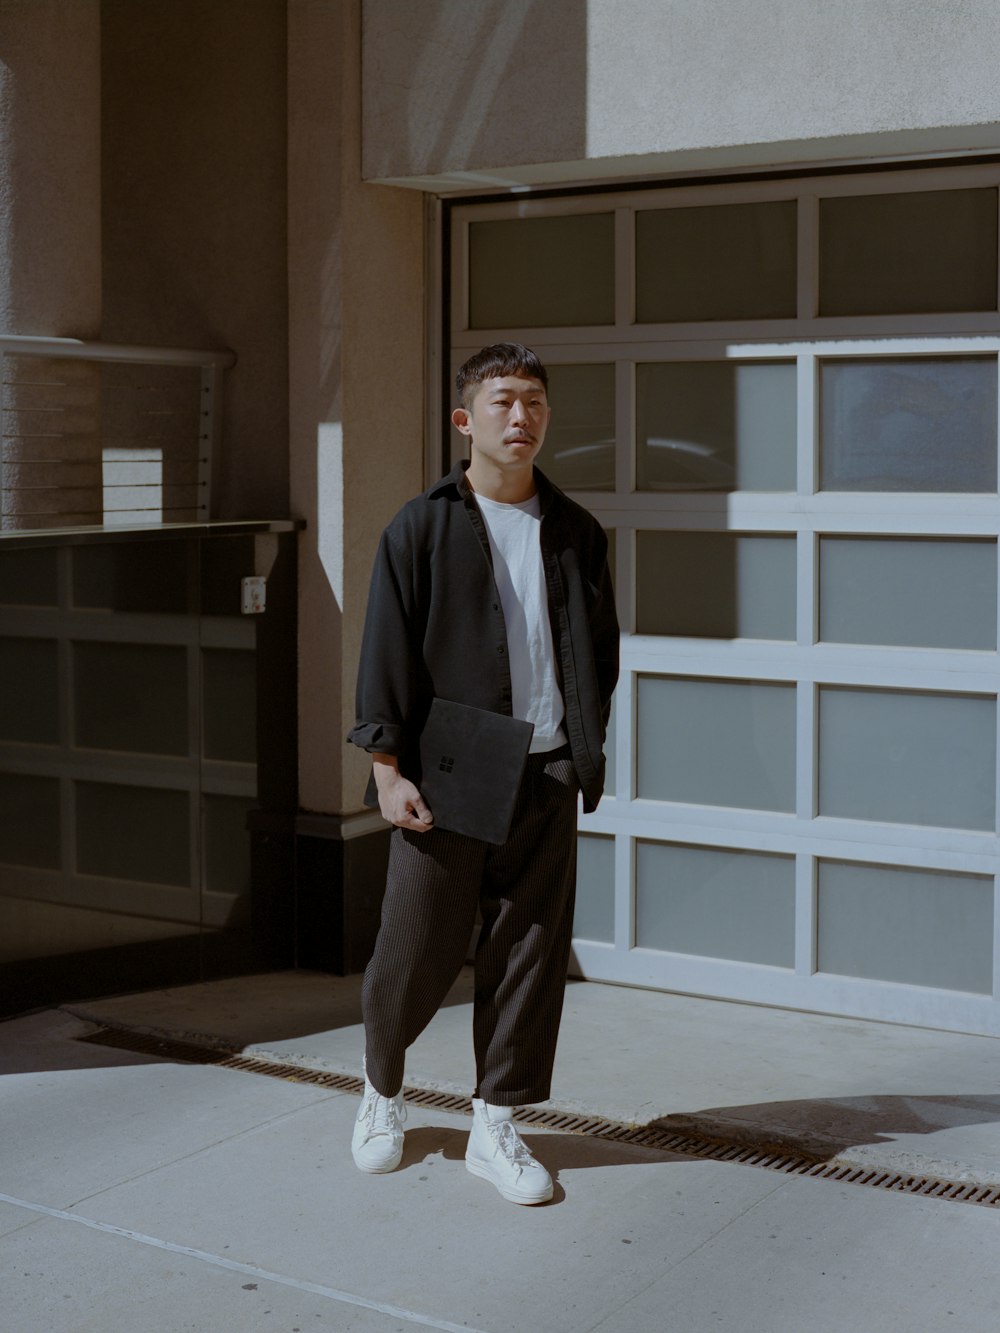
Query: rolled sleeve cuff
<point>378,737</point>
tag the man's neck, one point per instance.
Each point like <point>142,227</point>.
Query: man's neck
<point>505,486</point>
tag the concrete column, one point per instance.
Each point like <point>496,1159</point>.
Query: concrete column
<point>356,380</point>
<point>50,253</point>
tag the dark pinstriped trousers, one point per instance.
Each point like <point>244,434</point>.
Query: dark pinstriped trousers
<point>525,892</point>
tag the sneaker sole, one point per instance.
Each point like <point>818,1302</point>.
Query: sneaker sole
<point>378,1170</point>
<point>483,1171</point>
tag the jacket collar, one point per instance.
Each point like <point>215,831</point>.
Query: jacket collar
<point>456,482</point>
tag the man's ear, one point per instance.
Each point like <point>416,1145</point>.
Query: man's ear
<point>461,421</point>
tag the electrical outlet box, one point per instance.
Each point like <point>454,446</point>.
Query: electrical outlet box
<point>254,595</point>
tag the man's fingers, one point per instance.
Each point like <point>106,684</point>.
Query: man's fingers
<point>415,815</point>
<point>412,821</point>
<point>402,804</point>
<point>419,819</point>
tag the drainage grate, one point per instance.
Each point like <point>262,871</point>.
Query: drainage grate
<point>652,1137</point>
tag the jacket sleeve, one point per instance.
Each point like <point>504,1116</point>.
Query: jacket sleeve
<point>390,667</point>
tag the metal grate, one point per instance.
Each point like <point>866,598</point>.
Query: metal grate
<point>652,1137</point>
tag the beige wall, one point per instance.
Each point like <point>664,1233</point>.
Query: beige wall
<point>220,146</point>
<point>356,366</point>
<point>50,168</point>
<point>460,95</point>
<point>195,254</point>
<point>50,253</point>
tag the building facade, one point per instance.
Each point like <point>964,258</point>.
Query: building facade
<point>757,245</point>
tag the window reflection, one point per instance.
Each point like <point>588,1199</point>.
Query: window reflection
<point>909,424</point>
<point>715,426</point>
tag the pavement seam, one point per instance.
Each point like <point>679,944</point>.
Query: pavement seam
<point>246,1270</point>
<point>683,1258</point>
<point>199,1152</point>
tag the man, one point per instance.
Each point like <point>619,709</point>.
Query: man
<point>492,590</point>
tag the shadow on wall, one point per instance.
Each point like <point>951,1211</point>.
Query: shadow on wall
<point>453,86</point>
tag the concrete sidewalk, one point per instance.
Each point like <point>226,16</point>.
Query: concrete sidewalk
<point>144,1195</point>
<point>899,1099</point>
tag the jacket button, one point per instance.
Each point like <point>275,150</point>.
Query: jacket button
<point>500,651</point>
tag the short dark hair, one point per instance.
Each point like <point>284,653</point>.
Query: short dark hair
<point>494,362</point>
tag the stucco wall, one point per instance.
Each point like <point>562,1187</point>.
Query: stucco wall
<point>50,254</point>
<point>533,90</point>
<point>50,165</point>
<point>356,362</point>
<point>195,254</point>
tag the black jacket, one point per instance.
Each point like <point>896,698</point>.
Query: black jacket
<point>435,627</point>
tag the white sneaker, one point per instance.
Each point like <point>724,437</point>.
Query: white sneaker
<point>377,1142</point>
<point>497,1152</point>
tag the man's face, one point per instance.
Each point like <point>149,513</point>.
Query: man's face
<point>506,420</point>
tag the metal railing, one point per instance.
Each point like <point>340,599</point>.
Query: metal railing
<point>102,434</point>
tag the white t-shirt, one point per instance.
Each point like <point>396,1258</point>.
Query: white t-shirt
<point>514,532</point>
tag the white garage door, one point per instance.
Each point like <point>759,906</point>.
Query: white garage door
<point>780,398</point>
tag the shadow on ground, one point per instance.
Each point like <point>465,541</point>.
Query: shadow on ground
<point>557,1152</point>
<point>824,1128</point>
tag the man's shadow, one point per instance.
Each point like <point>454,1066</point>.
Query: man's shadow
<point>558,1152</point>
<point>825,1127</point>
<point>817,1128</point>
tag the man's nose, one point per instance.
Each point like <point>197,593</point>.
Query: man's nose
<point>519,412</point>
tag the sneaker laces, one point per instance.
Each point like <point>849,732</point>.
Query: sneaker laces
<point>382,1115</point>
<point>510,1144</point>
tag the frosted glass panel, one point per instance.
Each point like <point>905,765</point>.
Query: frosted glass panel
<point>913,424</point>
<point>230,704</point>
<point>29,820</point>
<point>731,261</point>
<point>29,578</point>
<point>223,564</point>
<point>610,743</point>
<point>227,843</point>
<point>535,272</point>
<point>716,742</point>
<point>920,927</point>
<point>154,577</point>
<point>715,585</point>
<point>908,757</point>
<point>135,833</point>
<point>131,697</point>
<point>910,593</point>
<point>595,888</point>
<point>719,904</point>
<point>579,449</point>
<point>715,425</point>
<point>29,691</point>
<point>908,253</point>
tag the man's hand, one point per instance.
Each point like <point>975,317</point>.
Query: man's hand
<point>399,800</point>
